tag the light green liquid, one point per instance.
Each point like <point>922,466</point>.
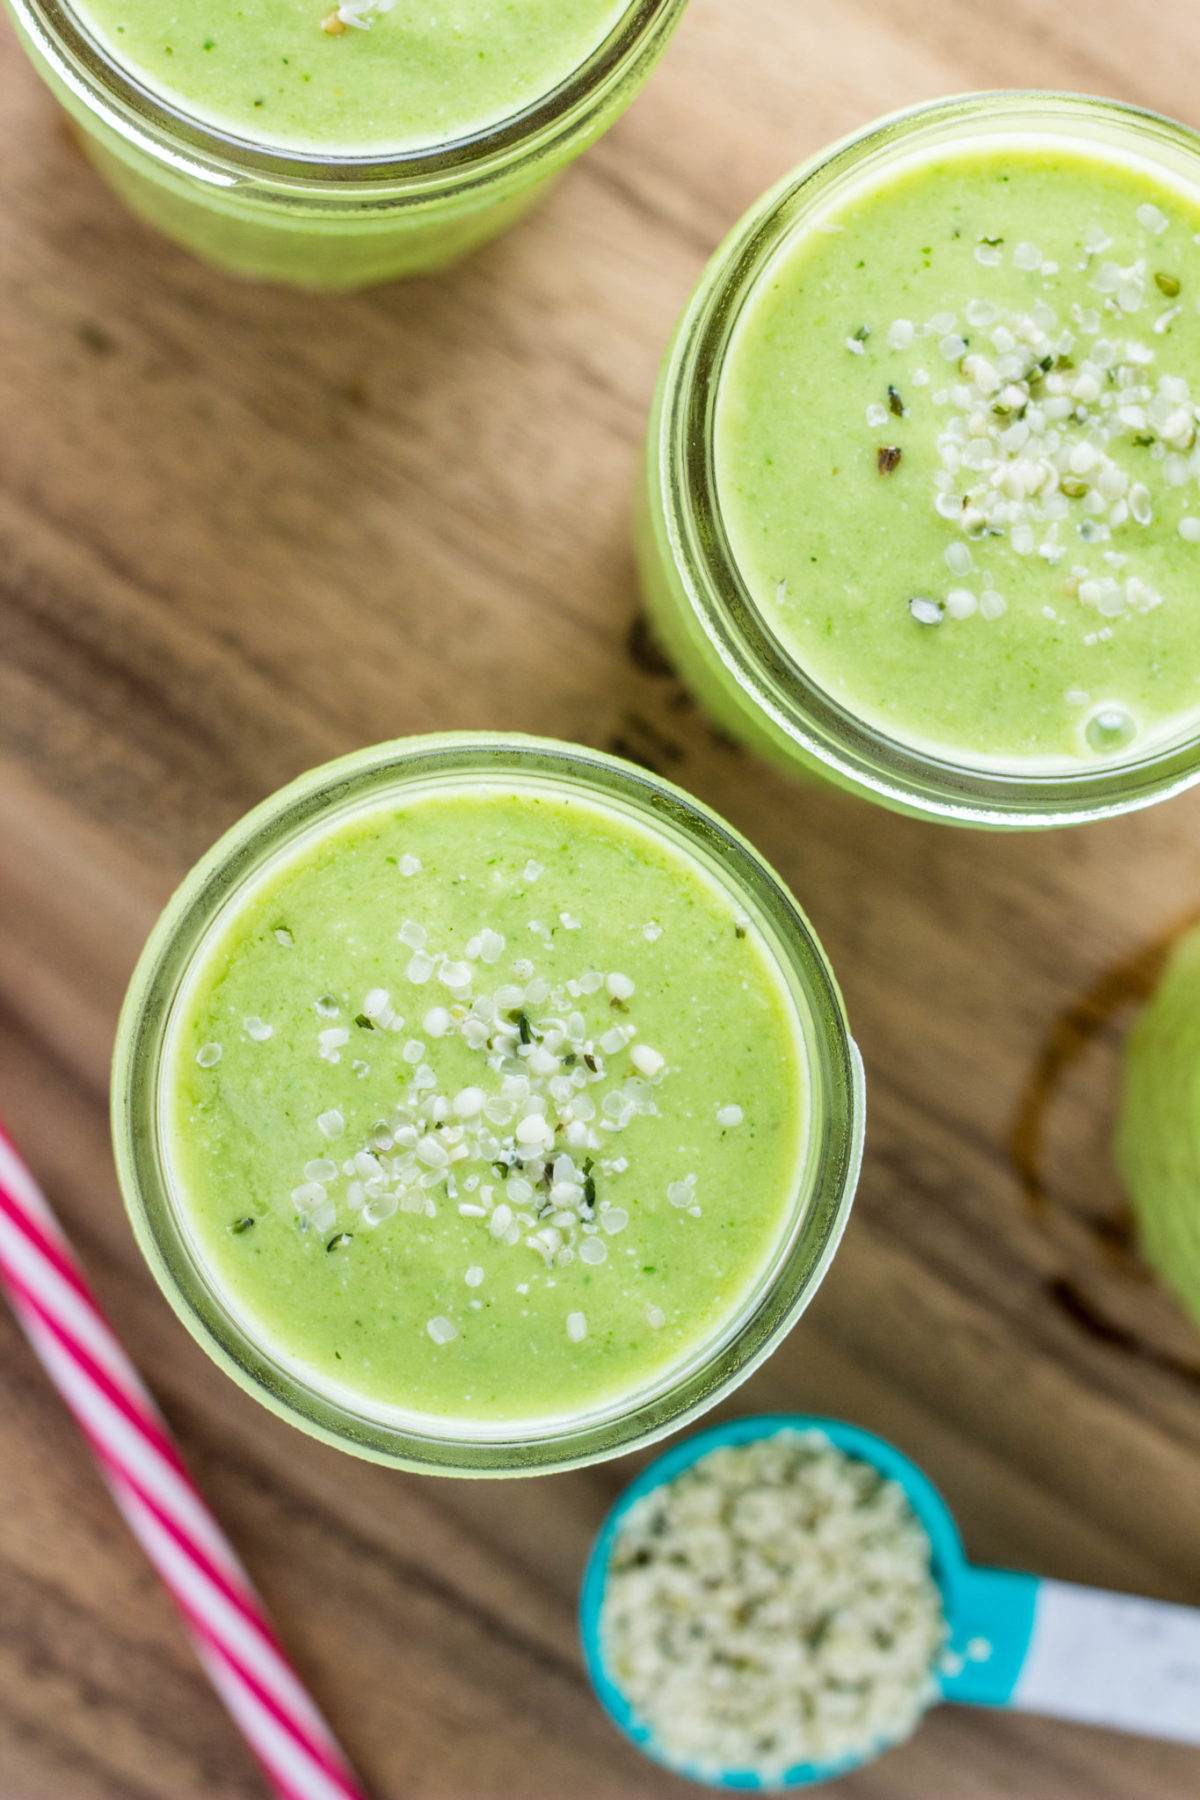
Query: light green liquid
<point>1158,1142</point>
<point>685,1199</point>
<point>818,381</point>
<point>423,74</point>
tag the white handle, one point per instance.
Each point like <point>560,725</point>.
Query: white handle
<point>1111,1659</point>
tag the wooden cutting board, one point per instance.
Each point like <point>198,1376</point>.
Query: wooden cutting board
<point>242,531</point>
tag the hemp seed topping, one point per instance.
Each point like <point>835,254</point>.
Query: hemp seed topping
<point>1039,423</point>
<point>526,1150</point>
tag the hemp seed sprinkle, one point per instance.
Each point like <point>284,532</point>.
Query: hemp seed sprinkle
<point>527,1141</point>
<point>773,1604</point>
<point>361,14</point>
<point>1035,417</point>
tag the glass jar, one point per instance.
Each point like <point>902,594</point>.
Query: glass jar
<point>342,222</point>
<point>699,602</point>
<point>200,912</point>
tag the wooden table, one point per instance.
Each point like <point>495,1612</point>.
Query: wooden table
<point>242,531</point>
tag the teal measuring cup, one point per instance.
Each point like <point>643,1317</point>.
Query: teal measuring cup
<point>1013,1640</point>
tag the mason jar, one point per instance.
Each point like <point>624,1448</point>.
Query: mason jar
<point>699,600</point>
<point>148,1142</point>
<point>324,221</point>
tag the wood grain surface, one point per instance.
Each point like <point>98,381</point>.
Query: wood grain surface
<point>243,530</point>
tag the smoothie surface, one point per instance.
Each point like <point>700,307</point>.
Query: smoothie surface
<point>491,1106</point>
<point>955,454</point>
<point>273,72</point>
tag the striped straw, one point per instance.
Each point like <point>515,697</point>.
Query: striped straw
<point>147,1479</point>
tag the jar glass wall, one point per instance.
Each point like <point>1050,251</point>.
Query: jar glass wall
<point>700,600</point>
<point>336,222</point>
<point>221,888</point>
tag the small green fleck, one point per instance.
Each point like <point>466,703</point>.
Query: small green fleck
<point>521,1021</point>
<point>1167,284</point>
<point>363,1023</point>
<point>241,1225</point>
<point>339,1241</point>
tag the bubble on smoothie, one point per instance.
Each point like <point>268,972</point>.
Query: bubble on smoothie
<point>1110,728</point>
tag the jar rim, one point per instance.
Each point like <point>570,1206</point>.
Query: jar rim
<point>348,787</point>
<point>823,733</point>
<point>190,145</point>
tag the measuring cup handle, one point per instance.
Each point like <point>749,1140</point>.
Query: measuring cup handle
<point>1100,1658</point>
<point>992,1616</point>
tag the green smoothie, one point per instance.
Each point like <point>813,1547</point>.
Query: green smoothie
<point>1158,1138</point>
<point>956,460</point>
<point>487,1107</point>
<point>337,143</point>
<point>361,79</point>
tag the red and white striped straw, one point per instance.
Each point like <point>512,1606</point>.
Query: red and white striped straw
<point>139,1461</point>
